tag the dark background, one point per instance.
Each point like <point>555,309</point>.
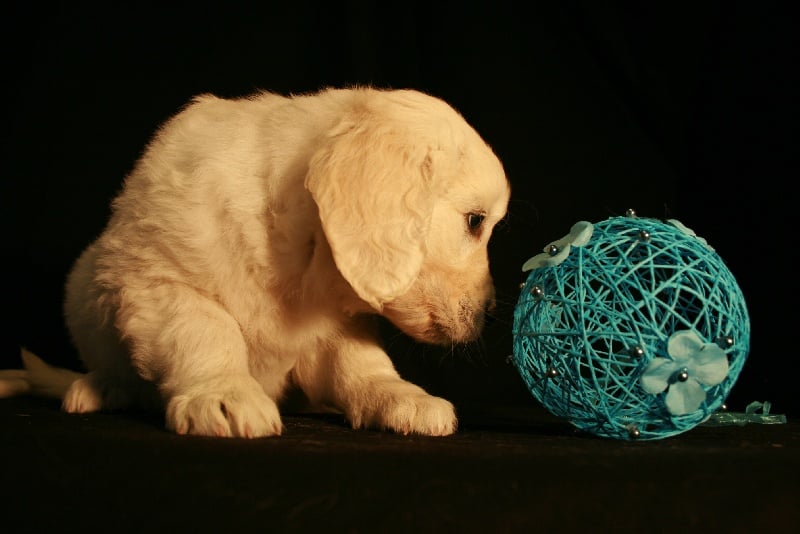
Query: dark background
<point>685,112</point>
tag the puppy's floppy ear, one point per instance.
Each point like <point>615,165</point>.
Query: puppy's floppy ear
<point>372,184</point>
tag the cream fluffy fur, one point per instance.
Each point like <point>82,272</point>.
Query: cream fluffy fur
<point>252,244</point>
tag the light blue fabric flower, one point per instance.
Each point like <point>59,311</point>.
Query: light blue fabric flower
<point>688,231</point>
<point>694,364</point>
<point>557,251</point>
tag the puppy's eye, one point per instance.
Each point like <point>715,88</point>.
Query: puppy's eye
<point>474,222</point>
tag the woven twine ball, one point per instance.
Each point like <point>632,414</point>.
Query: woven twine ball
<point>606,326</point>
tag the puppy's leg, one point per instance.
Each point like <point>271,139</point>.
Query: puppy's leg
<point>194,351</point>
<point>112,382</point>
<point>359,378</point>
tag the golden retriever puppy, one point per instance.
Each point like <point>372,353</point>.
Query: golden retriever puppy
<point>254,242</point>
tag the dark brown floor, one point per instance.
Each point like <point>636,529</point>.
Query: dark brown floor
<point>514,469</point>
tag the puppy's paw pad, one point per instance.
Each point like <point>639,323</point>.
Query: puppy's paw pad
<point>233,412</point>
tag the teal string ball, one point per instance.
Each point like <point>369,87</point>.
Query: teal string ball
<point>630,328</point>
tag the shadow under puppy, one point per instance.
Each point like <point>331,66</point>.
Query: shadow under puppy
<point>253,243</point>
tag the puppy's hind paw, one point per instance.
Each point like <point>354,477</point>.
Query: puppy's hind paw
<point>83,396</point>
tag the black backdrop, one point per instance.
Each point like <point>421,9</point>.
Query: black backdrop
<point>686,112</point>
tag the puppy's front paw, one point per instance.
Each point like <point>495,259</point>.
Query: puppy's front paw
<point>423,414</point>
<point>238,408</point>
<point>415,413</point>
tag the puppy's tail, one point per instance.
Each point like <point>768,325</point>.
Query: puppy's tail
<point>37,378</point>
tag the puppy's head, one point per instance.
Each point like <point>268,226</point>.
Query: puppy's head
<point>408,194</point>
